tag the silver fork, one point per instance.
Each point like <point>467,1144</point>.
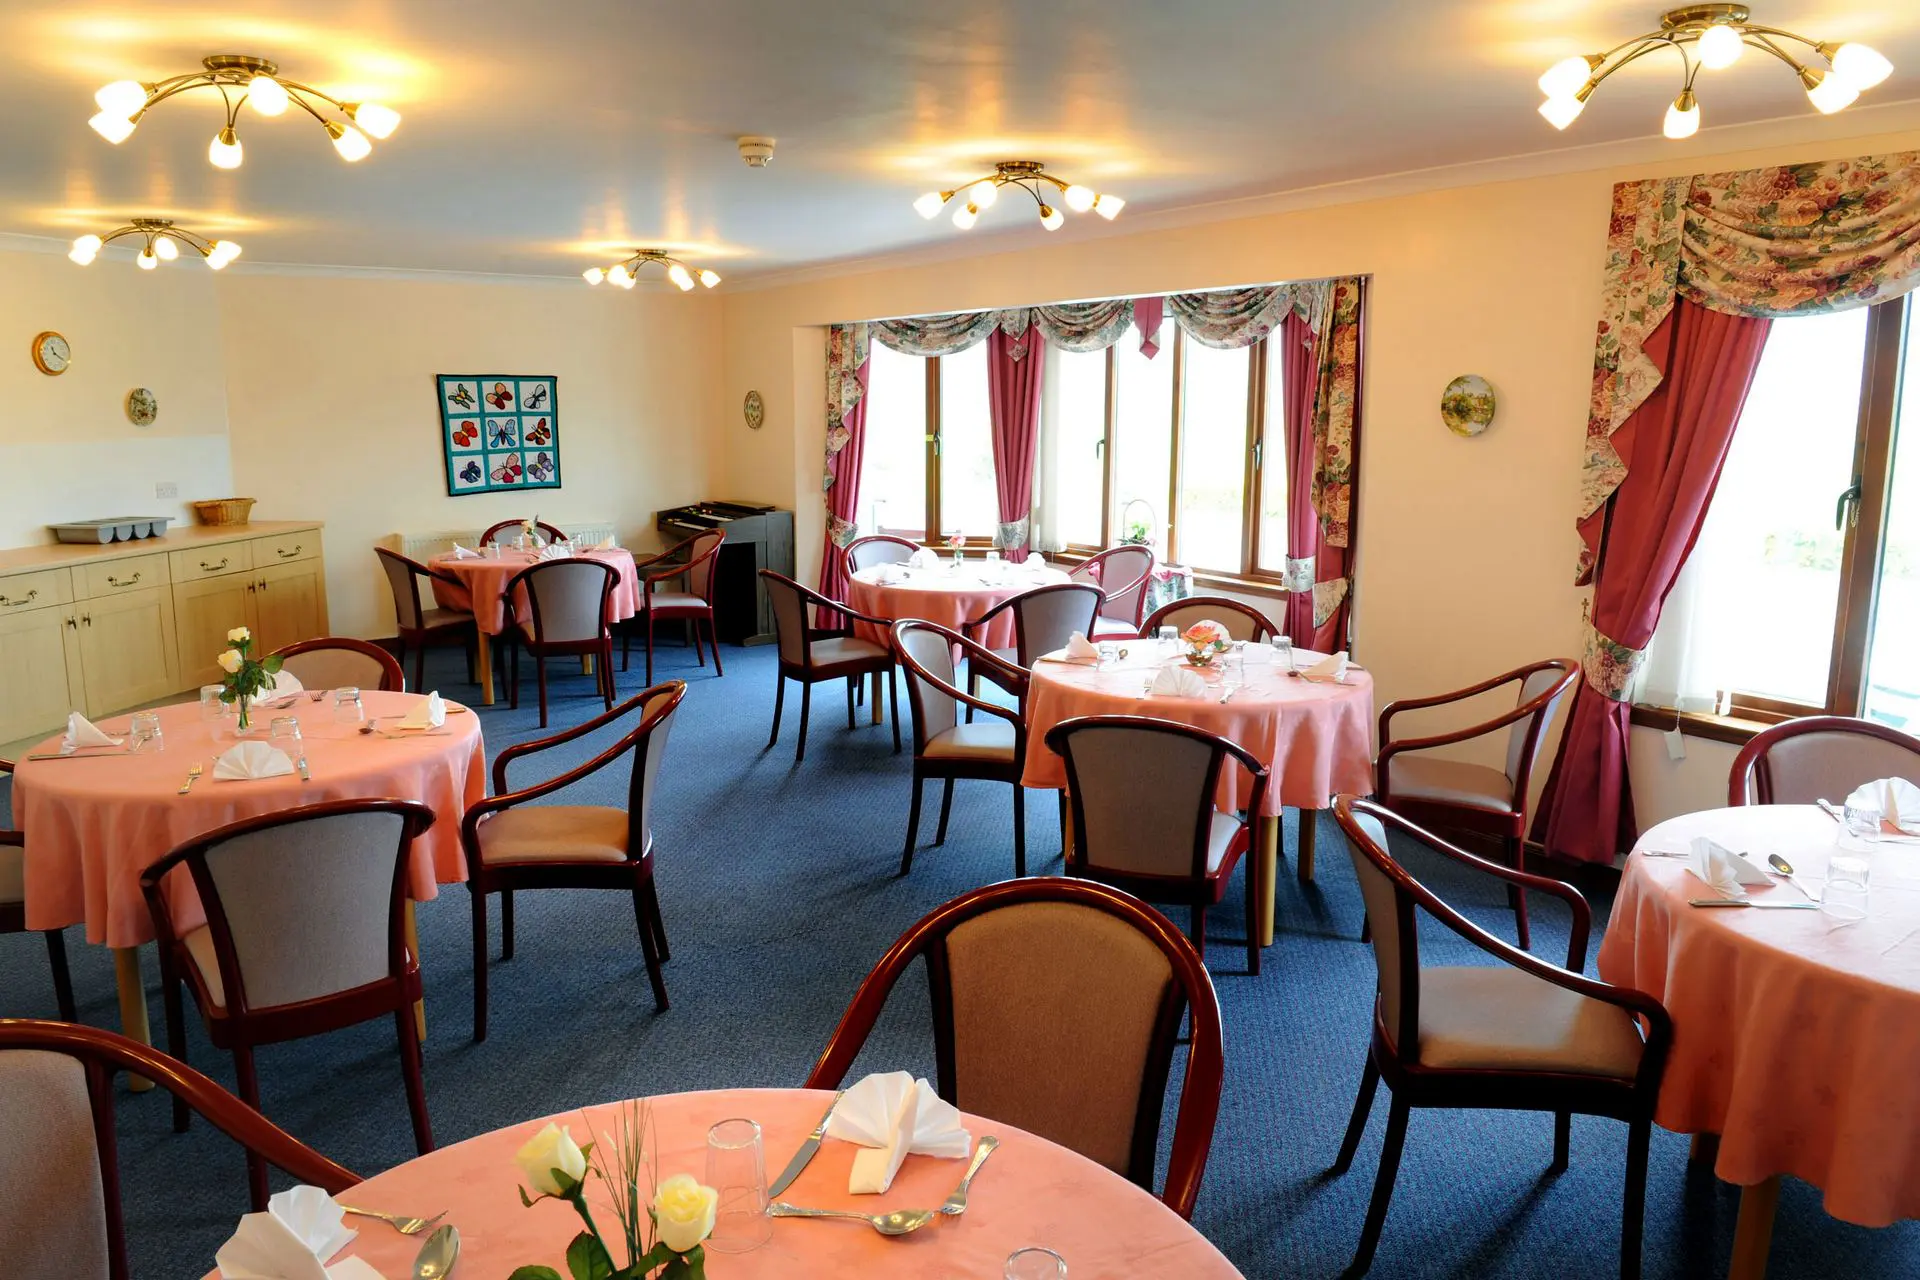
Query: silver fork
<point>957,1202</point>
<point>399,1222</point>
<point>193,775</point>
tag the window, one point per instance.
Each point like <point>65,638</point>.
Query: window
<point>1215,415</point>
<point>968,501</point>
<point>1802,593</point>
<point>1073,443</point>
<point>893,476</point>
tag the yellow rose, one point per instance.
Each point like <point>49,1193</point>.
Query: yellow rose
<point>230,660</point>
<point>551,1148</point>
<point>239,635</point>
<point>683,1211</point>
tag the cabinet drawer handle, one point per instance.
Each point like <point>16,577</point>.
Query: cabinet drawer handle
<point>87,618</point>
<point>71,624</point>
<point>115,582</point>
<point>285,554</point>
<point>214,568</point>
<point>19,604</point>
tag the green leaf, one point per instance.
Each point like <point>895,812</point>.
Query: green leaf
<point>566,1184</point>
<point>526,1202</point>
<point>687,1266</point>
<point>273,664</point>
<point>587,1258</point>
<point>535,1273</point>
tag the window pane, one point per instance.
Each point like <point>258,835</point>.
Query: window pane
<point>893,476</point>
<point>1143,447</point>
<point>1893,659</point>
<point>968,501</point>
<point>1213,456</point>
<point>1077,395</point>
<point>1273,465</point>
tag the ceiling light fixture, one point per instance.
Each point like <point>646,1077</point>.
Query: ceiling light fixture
<point>161,243</point>
<point>1029,176</point>
<point>1712,37</point>
<point>258,81</point>
<point>623,273</point>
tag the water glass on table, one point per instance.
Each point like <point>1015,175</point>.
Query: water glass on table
<point>284,730</point>
<point>347,707</point>
<point>1850,867</point>
<point>1169,640</point>
<point>1036,1264</point>
<point>737,1170</point>
<point>211,707</point>
<point>1283,651</point>
<point>143,733</point>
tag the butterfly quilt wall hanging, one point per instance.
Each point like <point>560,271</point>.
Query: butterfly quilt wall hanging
<point>500,431</point>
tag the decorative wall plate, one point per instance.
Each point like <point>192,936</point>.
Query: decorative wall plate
<point>1467,405</point>
<point>142,408</point>
<point>51,353</point>
<point>755,409</point>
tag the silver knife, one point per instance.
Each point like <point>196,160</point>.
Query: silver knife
<point>1744,902</point>
<point>301,765</point>
<point>800,1158</point>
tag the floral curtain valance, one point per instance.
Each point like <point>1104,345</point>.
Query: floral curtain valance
<point>1229,319</point>
<point>1784,241</point>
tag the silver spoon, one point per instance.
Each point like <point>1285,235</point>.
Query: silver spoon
<point>437,1256</point>
<point>898,1223</point>
<point>1785,868</point>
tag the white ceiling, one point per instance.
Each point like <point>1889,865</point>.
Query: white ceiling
<point>540,138</point>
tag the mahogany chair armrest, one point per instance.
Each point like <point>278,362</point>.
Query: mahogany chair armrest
<point>441,575</point>
<point>6,765</point>
<point>972,625</point>
<point>1389,747</point>
<point>643,562</point>
<point>815,633</point>
<point>1123,588</point>
<point>534,746</point>
<point>1577,905</point>
<point>1442,699</point>
<point>1006,670</point>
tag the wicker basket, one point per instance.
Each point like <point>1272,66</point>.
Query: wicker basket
<point>223,510</point>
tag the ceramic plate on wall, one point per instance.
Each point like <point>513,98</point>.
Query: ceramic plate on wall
<point>1467,405</point>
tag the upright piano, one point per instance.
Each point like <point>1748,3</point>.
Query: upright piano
<point>758,537</point>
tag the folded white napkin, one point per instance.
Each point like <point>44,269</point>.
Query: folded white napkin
<point>1897,800</point>
<point>430,714</point>
<point>605,544</point>
<point>924,558</point>
<point>1081,649</point>
<point>1175,681</point>
<point>82,732</point>
<point>464,553</point>
<point>251,760</point>
<point>554,551</point>
<point>300,1230</point>
<point>891,1114</point>
<point>1331,670</point>
<point>889,574</point>
<point>1725,871</point>
<point>279,685</point>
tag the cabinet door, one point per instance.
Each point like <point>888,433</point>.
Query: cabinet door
<point>127,652</point>
<point>39,672</point>
<point>203,613</point>
<point>287,604</point>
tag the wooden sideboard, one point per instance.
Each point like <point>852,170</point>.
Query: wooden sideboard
<point>103,628</point>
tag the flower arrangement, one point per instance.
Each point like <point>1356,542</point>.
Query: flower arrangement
<point>246,676</point>
<point>662,1230</point>
<point>955,541</point>
<point>1205,641</point>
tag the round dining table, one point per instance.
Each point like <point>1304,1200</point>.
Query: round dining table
<point>96,819</point>
<point>480,586</point>
<point>951,595</point>
<point>1796,1035</point>
<point>1031,1192</point>
<point>1315,737</point>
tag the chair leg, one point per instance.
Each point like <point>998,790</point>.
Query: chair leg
<point>693,629</point>
<point>893,694</point>
<point>1357,1124</point>
<point>1382,1190</point>
<point>779,699</point>
<point>540,677</point>
<point>806,708</point>
<point>659,921</point>
<point>851,681</point>
<point>513,676</point>
<point>412,1073</point>
<point>1517,897</point>
<point>606,670</point>
<point>506,924</point>
<point>1019,829</point>
<point>479,899</point>
<point>1256,884</point>
<point>648,618</point>
<point>62,976</point>
<point>1633,1213</point>
<point>913,824</point>
<point>649,947</point>
<point>1562,1141</point>
<point>176,1035</point>
<point>249,1086</point>
<point>946,803</point>
<point>713,642</point>
<point>420,667</point>
<point>626,646</point>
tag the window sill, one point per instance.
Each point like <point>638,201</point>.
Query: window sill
<point>1205,581</point>
<point>1734,730</point>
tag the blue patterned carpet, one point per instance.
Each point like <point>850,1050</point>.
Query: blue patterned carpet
<point>779,892</point>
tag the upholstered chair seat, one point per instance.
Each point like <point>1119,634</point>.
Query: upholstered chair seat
<point>1105,628</point>
<point>418,625</point>
<point>555,833</point>
<point>677,600</point>
<point>1450,782</point>
<point>1495,1018</point>
<point>13,874</point>
<point>988,740</point>
<point>689,564</point>
<point>837,651</point>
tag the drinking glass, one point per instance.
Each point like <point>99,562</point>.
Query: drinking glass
<point>993,556</point>
<point>737,1169</point>
<point>1109,652</point>
<point>1237,662</point>
<point>1845,894</point>
<point>1169,640</point>
<point>211,708</point>
<point>347,707</point>
<point>1863,823</point>
<point>283,729</point>
<point>1036,1264</point>
<point>144,733</point>
<point>1283,651</point>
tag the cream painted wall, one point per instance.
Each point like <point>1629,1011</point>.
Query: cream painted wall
<point>67,451</point>
<point>331,382</point>
<point>1467,546</point>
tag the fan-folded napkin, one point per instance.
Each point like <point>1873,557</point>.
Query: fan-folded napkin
<point>1725,871</point>
<point>1331,670</point>
<point>1177,682</point>
<point>1897,800</point>
<point>279,685</point>
<point>1081,649</point>
<point>464,553</point>
<point>251,760</point>
<point>891,1114</point>
<point>82,732</point>
<point>925,558</point>
<point>301,1228</point>
<point>889,574</point>
<point>554,551</point>
<point>431,713</point>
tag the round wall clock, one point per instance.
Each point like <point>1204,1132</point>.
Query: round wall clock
<point>756,410</point>
<point>1467,405</point>
<point>51,354</point>
<point>142,408</point>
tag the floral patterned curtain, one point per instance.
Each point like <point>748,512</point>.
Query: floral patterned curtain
<point>1229,319</point>
<point>1084,326</point>
<point>937,335</point>
<point>1783,241</point>
<point>848,346</point>
<point>1335,445</point>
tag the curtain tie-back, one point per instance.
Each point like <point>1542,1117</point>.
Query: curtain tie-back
<point>1298,575</point>
<point>1326,600</point>
<point>1011,535</point>
<point>841,531</point>
<point>1609,665</point>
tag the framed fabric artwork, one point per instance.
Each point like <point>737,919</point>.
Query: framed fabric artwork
<point>500,431</point>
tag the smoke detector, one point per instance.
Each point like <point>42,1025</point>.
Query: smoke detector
<point>757,152</point>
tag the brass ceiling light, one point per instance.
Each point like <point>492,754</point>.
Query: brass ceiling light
<point>1029,176</point>
<point>163,241</point>
<point>256,80</point>
<point>624,273</point>
<point>1712,37</point>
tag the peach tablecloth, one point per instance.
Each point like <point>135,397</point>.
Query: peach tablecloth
<point>1030,1192</point>
<point>950,597</point>
<point>93,826</point>
<point>484,583</point>
<point>1796,1037</point>
<point>1315,739</point>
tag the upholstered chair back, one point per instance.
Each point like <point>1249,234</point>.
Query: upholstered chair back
<point>1799,763</point>
<point>789,619</point>
<point>1145,795</point>
<point>337,667</point>
<point>865,553</point>
<point>1045,617</point>
<point>934,709</point>
<point>1519,757</point>
<point>704,556</point>
<point>1242,622</point>
<point>1123,565</point>
<point>652,749</point>
<point>1391,943</point>
<point>401,579</point>
<point>53,1219</point>
<point>568,599</point>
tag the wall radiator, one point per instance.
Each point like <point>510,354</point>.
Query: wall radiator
<point>422,546</point>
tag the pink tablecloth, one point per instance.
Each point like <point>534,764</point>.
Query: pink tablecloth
<point>1796,1036</point>
<point>93,826</point>
<point>1030,1193</point>
<point>484,583</point>
<point>1315,739</point>
<point>950,598</point>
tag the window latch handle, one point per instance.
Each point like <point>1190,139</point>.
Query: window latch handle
<point>1846,510</point>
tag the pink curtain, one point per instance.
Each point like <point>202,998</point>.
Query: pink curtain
<point>843,485</point>
<point>1013,403</point>
<point>1673,447</point>
<point>1299,373</point>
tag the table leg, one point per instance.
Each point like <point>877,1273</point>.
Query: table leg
<point>878,687</point>
<point>133,1005</point>
<point>586,664</point>
<point>1753,1230</point>
<point>1269,855</point>
<point>1704,1149</point>
<point>413,945</point>
<point>1309,824</point>
<point>483,669</point>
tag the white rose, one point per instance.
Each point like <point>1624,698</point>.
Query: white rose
<point>683,1210</point>
<point>230,660</point>
<point>551,1148</point>
<point>239,635</point>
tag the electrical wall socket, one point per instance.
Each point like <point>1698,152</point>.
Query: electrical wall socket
<point>166,489</point>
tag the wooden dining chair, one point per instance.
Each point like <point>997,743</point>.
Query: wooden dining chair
<point>1478,799</point>
<point>512,843</point>
<point>1122,574</point>
<point>552,533</point>
<point>994,750</point>
<point>341,662</point>
<point>812,655</point>
<point>1820,758</point>
<point>305,933</point>
<point>13,909</point>
<point>570,601</point>
<point>877,549</point>
<point>693,559</point>
<point>1140,793</point>
<point>1044,619</point>
<point>1242,621</point>
<point>60,1163</point>
<point>417,625</point>
<point>1056,1007</point>
<point>1518,1035</point>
